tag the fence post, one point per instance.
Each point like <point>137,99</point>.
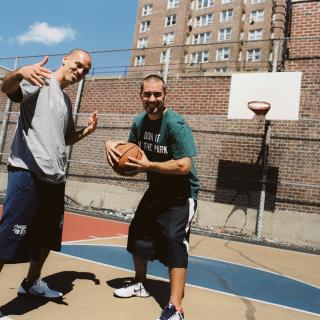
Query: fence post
<point>6,117</point>
<point>266,142</point>
<point>264,179</point>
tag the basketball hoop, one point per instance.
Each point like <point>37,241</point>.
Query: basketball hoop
<point>260,109</point>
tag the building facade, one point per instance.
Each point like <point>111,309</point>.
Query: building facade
<point>207,35</point>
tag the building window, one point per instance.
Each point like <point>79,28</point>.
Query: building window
<point>142,43</point>
<point>226,15</point>
<point>168,38</point>
<point>164,56</point>
<point>223,54</point>
<point>201,4</point>
<point>257,15</point>
<point>226,1</point>
<point>200,57</point>
<point>172,4</point>
<point>255,34</point>
<point>146,10</point>
<point>254,55</point>
<point>224,34</point>
<point>204,20</point>
<point>201,38</point>
<point>257,1</point>
<point>139,61</point>
<point>144,26</point>
<point>170,21</point>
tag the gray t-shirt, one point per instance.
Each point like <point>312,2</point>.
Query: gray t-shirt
<point>39,141</point>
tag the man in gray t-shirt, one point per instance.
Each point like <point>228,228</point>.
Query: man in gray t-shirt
<point>32,219</point>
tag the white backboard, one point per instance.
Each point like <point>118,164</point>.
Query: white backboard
<point>280,89</point>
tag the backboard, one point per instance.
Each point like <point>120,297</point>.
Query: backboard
<point>280,89</point>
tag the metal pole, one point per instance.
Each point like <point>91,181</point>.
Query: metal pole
<point>6,118</point>
<point>264,179</point>
<point>166,66</point>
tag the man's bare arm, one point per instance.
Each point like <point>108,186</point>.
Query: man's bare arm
<point>35,74</point>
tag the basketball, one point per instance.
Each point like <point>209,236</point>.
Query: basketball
<point>128,150</point>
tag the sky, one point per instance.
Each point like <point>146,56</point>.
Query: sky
<point>34,27</point>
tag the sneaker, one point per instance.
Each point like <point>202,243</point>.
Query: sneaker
<point>171,313</point>
<point>132,289</point>
<point>38,288</point>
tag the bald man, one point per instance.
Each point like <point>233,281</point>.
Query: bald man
<point>33,211</point>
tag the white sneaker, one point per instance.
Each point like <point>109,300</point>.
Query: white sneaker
<point>132,289</point>
<point>39,288</point>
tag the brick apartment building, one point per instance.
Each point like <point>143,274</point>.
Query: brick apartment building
<point>215,35</point>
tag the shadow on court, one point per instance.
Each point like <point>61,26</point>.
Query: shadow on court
<point>159,290</point>
<point>61,281</point>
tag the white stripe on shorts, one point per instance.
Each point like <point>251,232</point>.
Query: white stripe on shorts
<point>191,215</point>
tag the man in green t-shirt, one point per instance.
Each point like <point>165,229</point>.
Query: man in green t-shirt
<point>161,226</point>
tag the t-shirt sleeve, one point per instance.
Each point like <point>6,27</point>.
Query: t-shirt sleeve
<point>133,135</point>
<point>181,140</point>
<point>28,90</point>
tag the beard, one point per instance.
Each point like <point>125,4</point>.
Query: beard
<point>154,108</point>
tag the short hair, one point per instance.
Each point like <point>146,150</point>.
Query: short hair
<point>71,52</point>
<point>155,77</point>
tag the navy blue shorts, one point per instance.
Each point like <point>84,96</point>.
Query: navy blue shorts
<point>160,230</point>
<point>32,217</point>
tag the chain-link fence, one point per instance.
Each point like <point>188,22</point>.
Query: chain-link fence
<point>229,164</point>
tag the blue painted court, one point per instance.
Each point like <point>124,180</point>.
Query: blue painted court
<point>217,275</point>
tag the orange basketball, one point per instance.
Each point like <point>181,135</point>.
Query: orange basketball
<point>128,150</point>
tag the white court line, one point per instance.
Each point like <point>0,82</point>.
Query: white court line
<point>95,239</point>
<point>242,243</point>
<point>255,268</point>
<point>93,217</point>
<point>202,257</point>
<point>194,286</point>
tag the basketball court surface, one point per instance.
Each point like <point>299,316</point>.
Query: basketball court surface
<point>226,280</point>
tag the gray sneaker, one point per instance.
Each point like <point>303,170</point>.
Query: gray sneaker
<point>132,289</point>
<point>38,288</point>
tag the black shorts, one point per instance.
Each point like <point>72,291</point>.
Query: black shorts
<point>32,217</point>
<point>160,230</point>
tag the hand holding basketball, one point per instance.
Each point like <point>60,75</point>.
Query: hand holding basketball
<point>118,153</point>
<point>131,150</point>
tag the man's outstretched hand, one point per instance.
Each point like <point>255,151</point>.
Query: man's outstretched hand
<point>92,123</point>
<point>35,73</point>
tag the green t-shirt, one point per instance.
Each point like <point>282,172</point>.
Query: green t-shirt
<point>165,139</point>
